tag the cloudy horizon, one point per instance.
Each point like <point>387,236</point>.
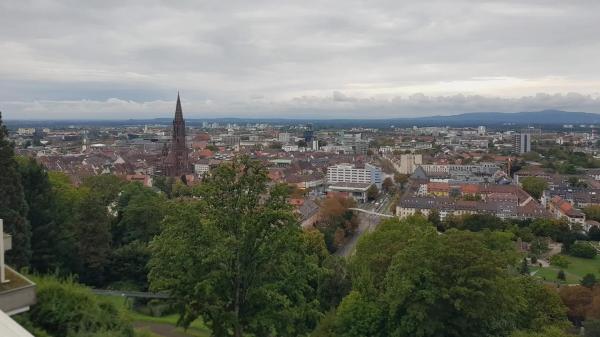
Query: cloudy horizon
<point>296,59</point>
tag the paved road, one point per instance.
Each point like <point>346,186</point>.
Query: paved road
<point>367,222</point>
<point>369,217</point>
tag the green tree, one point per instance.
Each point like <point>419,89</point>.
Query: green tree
<point>583,249</point>
<point>357,316</point>
<point>561,275</point>
<point>592,212</point>
<point>524,267</point>
<point>459,277</point>
<point>559,261</point>
<point>411,281</point>
<point>388,184</point>
<point>401,178</point>
<point>589,280</point>
<point>434,218</point>
<point>534,186</point>
<point>236,257</point>
<point>594,233</point>
<point>93,239</point>
<point>372,192</point>
<point>13,208</point>
<point>45,230</point>
<point>140,213</point>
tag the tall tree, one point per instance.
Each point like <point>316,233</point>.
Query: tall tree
<point>13,208</point>
<point>93,239</point>
<point>236,257</point>
<point>45,231</point>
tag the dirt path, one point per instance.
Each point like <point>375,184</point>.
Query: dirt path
<point>161,329</point>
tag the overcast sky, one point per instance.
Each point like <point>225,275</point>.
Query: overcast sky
<point>327,59</point>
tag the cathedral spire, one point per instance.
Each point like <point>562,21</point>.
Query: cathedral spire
<point>178,111</point>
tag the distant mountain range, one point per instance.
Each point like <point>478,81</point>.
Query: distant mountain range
<point>544,117</point>
<point>547,118</point>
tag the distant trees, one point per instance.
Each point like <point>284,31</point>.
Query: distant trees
<point>236,257</point>
<point>534,186</point>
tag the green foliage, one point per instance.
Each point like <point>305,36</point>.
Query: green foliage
<point>534,186</point>
<point>46,232</point>
<point>357,316</point>
<point>13,207</point>
<point>561,275</point>
<point>559,261</point>
<point>592,213</point>
<point>93,239</point>
<point>594,233</point>
<point>104,187</point>
<point>334,282</point>
<point>67,309</point>
<point>524,267</point>
<point>372,192</point>
<point>236,257</point>
<point>388,184</point>
<point>583,249</point>
<point>408,280</point>
<point>589,281</point>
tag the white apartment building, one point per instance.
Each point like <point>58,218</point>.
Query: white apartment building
<point>347,173</point>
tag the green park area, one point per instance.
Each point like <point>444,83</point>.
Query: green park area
<point>577,268</point>
<point>148,325</point>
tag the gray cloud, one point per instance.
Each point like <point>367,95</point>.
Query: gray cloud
<point>64,58</point>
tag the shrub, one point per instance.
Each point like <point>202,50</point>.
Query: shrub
<point>66,308</point>
<point>559,261</point>
<point>583,249</point>
<point>561,275</point>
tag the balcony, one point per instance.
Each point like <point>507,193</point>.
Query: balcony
<point>17,294</point>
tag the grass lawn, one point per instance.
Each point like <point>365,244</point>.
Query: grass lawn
<point>578,267</point>
<point>196,329</point>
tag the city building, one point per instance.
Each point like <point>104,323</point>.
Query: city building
<point>346,173</point>
<point>409,162</point>
<point>562,209</point>
<point>522,142</point>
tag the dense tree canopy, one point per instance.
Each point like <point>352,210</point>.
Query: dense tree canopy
<point>408,280</point>
<point>13,207</point>
<point>236,257</point>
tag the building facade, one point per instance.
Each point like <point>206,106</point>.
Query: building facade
<point>522,143</point>
<point>346,173</point>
